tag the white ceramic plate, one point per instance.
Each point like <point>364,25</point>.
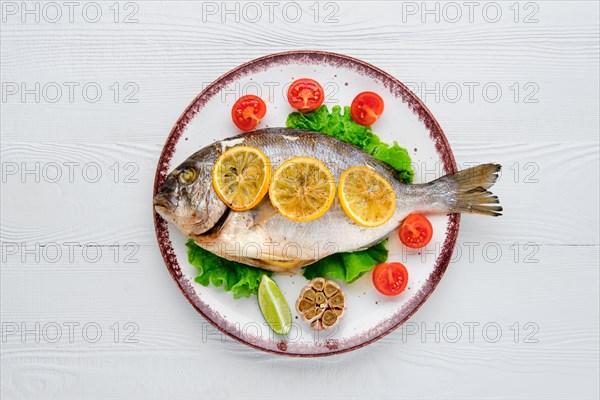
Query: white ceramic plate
<point>406,120</point>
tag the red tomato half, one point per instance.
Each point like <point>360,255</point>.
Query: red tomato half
<point>390,279</point>
<point>366,108</point>
<point>306,94</point>
<point>247,112</point>
<point>416,231</point>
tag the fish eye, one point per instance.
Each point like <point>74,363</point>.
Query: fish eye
<point>187,176</point>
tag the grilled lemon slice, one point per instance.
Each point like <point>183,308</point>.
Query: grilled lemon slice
<point>241,177</point>
<point>302,189</point>
<point>366,197</point>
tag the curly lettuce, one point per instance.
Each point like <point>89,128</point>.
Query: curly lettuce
<point>348,267</point>
<point>240,279</point>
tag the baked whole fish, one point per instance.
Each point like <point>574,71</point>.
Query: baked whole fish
<point>263,238</point>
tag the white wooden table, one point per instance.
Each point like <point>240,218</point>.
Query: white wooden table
<point>89,93</point>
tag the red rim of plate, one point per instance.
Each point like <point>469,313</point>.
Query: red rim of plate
<point>396,88</point>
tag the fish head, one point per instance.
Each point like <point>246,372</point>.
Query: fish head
<point>187,198</point>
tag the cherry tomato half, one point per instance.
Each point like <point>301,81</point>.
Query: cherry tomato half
<point>416,231</point>
<point>390,279</point>
<point>366,108</point>
<point>306,94</point>
<point>247,112</point>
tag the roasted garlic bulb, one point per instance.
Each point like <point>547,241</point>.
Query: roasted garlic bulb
<point>321,304</point>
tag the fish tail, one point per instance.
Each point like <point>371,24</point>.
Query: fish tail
<point>471,190</point>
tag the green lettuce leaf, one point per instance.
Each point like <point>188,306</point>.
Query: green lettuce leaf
<point>395,156</point>
<point>240,279</point>
<point>331,266</point>
<point>348,267</point>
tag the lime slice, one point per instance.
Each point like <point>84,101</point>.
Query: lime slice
<point>274,307</point>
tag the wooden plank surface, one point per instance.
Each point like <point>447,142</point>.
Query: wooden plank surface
<point>79,252</point>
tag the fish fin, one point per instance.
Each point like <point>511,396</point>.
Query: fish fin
<point>263,211</point>
<point>471,189</point>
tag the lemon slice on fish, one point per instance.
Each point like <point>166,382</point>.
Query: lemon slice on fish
<point>302,189</point>
<point>241,177</point>
<point>366,197</point>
